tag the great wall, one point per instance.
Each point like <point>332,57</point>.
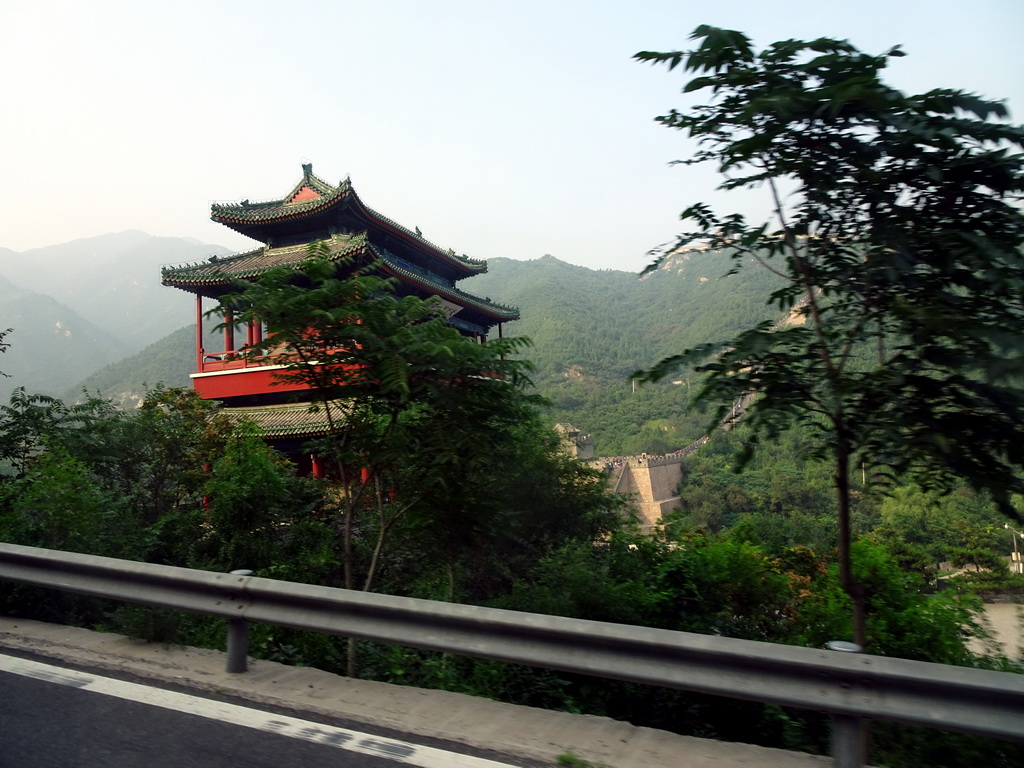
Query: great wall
<point>653,480</point>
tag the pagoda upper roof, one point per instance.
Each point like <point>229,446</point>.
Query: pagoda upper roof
<point>220,274</point>
<point>314,209</point>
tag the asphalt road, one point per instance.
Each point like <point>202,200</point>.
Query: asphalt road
<point>57,718</point>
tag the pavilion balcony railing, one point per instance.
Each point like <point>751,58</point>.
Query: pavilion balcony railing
<point>852,687</point>
<point>212,362</point>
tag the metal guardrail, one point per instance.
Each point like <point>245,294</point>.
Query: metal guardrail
<point>851,687</point>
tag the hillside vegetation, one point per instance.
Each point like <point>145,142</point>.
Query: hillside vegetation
<point>592,329</point>
<point>76,307</point>
<point>50,342</point>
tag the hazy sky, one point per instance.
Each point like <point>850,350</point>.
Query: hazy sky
<point>499,128</point>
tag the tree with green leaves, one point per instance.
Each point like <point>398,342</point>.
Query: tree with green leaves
<point>393,381</point>
<point>4,344</point>
<point>411,404</point>
<point>896,229</point>
<point>29,423</point>
<point>150,460</point>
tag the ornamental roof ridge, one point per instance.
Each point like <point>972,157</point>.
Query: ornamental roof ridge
<point>477,265</point>
<point>315,183</point>
<point>298,205</point>
<point>166,269</point>
<point>326,193</point>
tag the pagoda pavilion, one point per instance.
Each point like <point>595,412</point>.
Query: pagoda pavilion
<point>352,233</point>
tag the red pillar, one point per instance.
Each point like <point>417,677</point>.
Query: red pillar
<point>229,331</point>
<point>199,333</point>
<point>317,466</point>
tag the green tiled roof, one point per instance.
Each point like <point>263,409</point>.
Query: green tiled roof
<point>273,210</point>
<point>474,265</point>
<point>249,215</point>
<point>252,264</point>
<point>290,420</point>
<point>249,265</point>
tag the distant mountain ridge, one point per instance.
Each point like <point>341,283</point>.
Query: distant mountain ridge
<point>113,281</point>
<point>50,343</point>
<point>78,306</point>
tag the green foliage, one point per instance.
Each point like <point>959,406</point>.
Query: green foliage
<point>591,329</point>
<point>255,510</point>
<point>523,528</point>
<point>939,524</point>
<point>406,395</point>
<point>570,758</point>
<point>515,496</point>
<point>127,475</point>
<point>894,230</point>
<point>903,620</point>
<point>903,233</point>
<point>4,344</point>
<point>58,504</point>
<point>28,422</point>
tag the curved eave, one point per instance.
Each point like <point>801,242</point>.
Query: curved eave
<point>499,313</point>
<point>252,264</point>
<point>463,263</point>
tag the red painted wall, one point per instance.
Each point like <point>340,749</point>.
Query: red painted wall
<point>246,381</point>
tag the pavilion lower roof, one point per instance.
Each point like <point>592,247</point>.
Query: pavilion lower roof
<point>222,272</point>
<point>225,270</point>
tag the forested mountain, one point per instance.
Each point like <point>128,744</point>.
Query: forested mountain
<point>50,343</point>
<point>168,361</point>
<point>605,324</point>
<point>77,306</point>
<point>113,281</point>
<point>591,329</point>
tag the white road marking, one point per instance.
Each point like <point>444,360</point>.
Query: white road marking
<point>341,738</point>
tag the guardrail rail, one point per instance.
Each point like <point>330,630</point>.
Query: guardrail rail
<point>851,687</point>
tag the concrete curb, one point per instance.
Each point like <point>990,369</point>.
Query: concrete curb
<point>526,732</point>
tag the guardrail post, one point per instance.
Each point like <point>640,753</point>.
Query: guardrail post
<point>849,734</point>
<point>238,645</point>
<point>238,638</point>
